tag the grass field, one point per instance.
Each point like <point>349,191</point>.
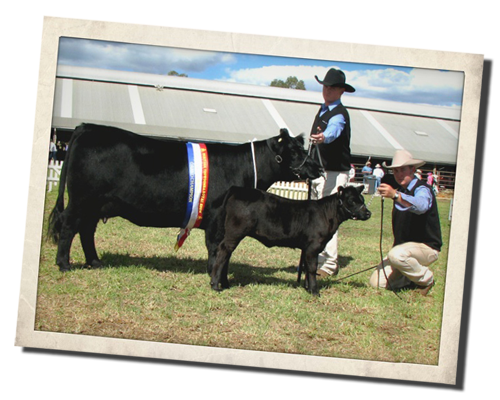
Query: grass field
<point>149,292</point>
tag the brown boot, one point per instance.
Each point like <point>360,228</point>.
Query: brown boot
<point>423,290</point>
<point>321,274</point>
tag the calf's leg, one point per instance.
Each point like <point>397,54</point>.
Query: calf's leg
<point>212,241</point>
<point>212,254</point>
<point>301,269</point>
<point>221,265</point>
<point>214,233</point>
<point>311,264</point>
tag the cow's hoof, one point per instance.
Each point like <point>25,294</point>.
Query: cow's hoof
<point>96,264</point>
<point>314,293</point>
<point>64,269</point>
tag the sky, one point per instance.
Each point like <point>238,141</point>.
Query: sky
<point>410,85</point>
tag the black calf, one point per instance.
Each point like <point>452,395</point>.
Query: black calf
<point>276,221</point>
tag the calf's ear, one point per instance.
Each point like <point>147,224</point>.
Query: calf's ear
<point>360,189</point>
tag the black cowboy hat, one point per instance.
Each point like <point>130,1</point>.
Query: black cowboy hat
<point>335,77</point>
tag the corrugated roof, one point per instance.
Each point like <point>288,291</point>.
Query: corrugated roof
<point>302,96</point>
<point>195,109</point>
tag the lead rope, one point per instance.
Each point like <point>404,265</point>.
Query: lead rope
<point>371,199</point>
<point>380,242</point>
<point>308,181</point>
<point>254,165</point>
<point>381,251</point>
<point>309,151</point>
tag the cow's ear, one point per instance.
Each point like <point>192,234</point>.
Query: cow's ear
<point>340,190</point>
<point>284,133</point>
<point>360,189</point>
<point>300,138</point>
<point>283,141</point>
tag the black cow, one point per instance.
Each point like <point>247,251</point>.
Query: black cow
<point>277,221</point>
<point>110,172</point>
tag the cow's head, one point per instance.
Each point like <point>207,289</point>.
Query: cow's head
<point>294,159</point>
<point>352,202</point>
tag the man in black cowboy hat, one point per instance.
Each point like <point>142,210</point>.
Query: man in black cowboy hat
<point>331,132</point>
<point>416,229</point>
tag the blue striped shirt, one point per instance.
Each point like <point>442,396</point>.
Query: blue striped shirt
<point>420,203</point>
<point>335,125</point>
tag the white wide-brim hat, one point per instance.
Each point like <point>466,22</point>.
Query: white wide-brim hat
<point>404,158</point>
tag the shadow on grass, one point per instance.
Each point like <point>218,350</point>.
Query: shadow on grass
<point>158,263</point>
<point>240,274</point>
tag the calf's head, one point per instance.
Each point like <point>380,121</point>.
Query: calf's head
<point>294,159</point>
<point>352,203</point>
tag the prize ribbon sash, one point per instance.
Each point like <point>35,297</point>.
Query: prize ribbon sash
<point>198,188</point>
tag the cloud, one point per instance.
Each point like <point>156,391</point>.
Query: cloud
<point>410,85</point>
<point>139,58</point>
<point>263,76</point>
<point>416,85</point>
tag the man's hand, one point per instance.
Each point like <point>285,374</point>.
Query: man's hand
<point>318,137</point>
<point>386,190</point>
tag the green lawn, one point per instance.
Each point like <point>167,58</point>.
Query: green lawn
<point>149,292</point>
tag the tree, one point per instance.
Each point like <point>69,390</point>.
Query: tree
<point>291,82</point>
<point>175,73</point>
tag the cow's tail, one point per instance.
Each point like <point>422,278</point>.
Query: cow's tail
<point>55,218</point>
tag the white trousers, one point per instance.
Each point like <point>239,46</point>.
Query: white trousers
<point>321,187</point>
<point>405,263</point>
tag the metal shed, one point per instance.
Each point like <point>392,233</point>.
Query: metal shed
<point>194,109</point>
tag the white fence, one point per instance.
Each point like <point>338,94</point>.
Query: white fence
<point>53,173</point>
<point>290,190</point>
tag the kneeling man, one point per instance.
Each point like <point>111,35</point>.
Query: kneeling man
<point>415,226</point>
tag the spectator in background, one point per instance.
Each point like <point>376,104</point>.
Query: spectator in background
<point>52,151</point>
<point>367,170</point>
<point>352,173</point>
<point>379,173</point>
<point>432,182</point>
<point>435,175</point>
<point>430,178</point>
